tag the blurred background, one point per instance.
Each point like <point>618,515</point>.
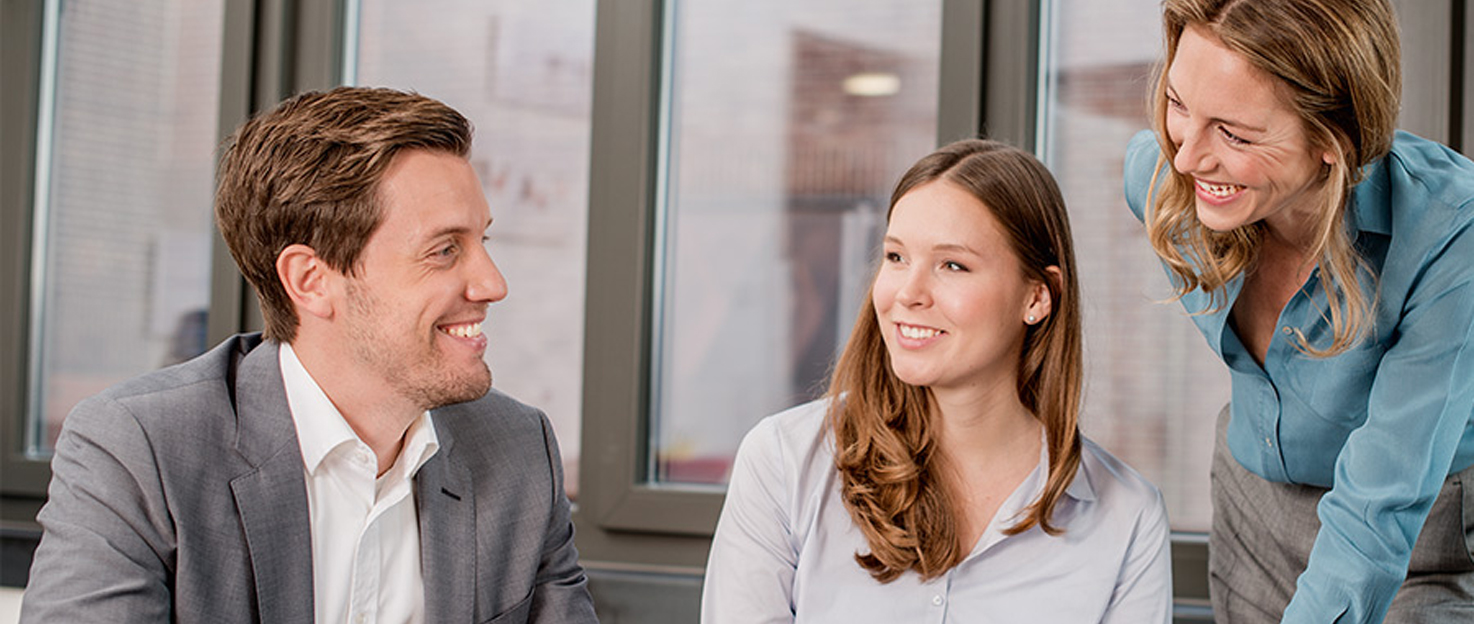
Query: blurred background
<point>688,199</point>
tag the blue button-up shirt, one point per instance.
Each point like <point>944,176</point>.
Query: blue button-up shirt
<point>1381,425</point>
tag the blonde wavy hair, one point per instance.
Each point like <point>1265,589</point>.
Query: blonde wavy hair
<point>887,450</point>
<point>1339,61</point>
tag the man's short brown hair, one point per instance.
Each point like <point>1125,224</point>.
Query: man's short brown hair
<point>308,171</point>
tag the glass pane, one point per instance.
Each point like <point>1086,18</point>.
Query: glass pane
<point>1153,388</point>
<point>124,214</point>
<point>788,124</point>
<point>522,72</point>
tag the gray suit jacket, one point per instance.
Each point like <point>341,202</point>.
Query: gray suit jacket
<point>180,496</point>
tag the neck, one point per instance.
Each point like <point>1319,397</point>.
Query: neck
<point>377,415</point>
<point>984,427</point>
<point>1288,257</point>
<point>1295,228</point>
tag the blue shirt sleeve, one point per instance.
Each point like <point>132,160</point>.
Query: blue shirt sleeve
<point>1141,160</point>
<point>1391,468</point>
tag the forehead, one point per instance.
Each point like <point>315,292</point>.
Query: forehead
<point>426,192</point>
<point>1203,65</point>
<point>942,213</point>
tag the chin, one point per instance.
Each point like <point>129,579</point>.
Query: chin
<point>1212,219</point>
<point>457,388</point>
<point>913,378</point>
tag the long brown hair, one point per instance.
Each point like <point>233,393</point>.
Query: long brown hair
<point>1339,62</point>
<point>886,450</point>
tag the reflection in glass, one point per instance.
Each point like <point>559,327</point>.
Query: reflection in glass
<point>788,125</point>
<point>522,72</point>
<point>124,184</point>
<point>1153,388</point>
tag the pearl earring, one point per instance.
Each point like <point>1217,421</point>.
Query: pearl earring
<point>1030,320</point>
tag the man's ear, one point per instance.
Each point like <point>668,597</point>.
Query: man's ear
<point>1041,302</point>
<point>307,280</point>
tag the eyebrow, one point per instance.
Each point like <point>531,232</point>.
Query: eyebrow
<point>454,230</point>
<point>955,247</point>
<point>1171,90</point>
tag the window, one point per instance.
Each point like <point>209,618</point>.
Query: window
<point>683,206</point>
<point>1153,387</point>
<point>123,195</point>
<point>787,126</point>
<point>736,203</point>
<point>523,74</point>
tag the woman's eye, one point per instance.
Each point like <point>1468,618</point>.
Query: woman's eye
<point>446,251</point>
<point>953,266</point>
<point>1174,102</point>
<point>1231,137</point>
<point>891,256</point>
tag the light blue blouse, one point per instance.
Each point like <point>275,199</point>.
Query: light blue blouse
<point>1385,423</point>
<point>785,546</point>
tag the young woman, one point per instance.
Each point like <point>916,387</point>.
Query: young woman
<point>1329,261</point>
<point>943,478</point>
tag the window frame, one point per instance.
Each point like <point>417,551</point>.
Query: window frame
<point>988,87</point>
<point>269,49</point>
<point>620,511</point>
<point>24,480</point>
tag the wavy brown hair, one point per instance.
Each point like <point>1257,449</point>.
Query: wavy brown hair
<point>886,449</point>
<point>1339,62</point>
<point>308,171</point>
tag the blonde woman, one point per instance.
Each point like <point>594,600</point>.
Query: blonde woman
<point>944,479</point>
<point>1328,260</point>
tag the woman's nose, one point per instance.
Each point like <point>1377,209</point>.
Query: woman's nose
<point>1193,155</point>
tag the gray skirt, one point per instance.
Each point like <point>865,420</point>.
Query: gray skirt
<point>1263,531</point>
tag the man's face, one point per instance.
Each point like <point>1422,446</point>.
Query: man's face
<point>423,283</point>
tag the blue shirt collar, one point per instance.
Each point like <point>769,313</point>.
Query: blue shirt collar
<point>1370,211</point>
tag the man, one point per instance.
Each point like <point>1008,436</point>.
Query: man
<point>352,465</point>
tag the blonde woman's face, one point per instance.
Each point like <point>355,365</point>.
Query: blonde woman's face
<point>950,295</point>
<point>1238,139</point>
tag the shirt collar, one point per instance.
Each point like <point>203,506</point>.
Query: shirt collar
<point>1079,487</point>
<point>1370,211</point>
<point>321,427</point>
<point>420,444</point>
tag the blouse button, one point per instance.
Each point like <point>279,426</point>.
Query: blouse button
<point>936,600</point>
<point>1287,331</point>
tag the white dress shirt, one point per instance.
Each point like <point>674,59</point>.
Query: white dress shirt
<point>365,529</point>
<point>785,546</point>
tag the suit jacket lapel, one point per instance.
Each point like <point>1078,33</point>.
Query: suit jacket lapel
<point>447,515</point>
<point>272,498</point>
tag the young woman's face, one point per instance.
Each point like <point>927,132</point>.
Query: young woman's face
<point>950,295</point>
<point>1237,138</point>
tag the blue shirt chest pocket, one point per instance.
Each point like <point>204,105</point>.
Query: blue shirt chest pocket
<point>1336,388</point>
